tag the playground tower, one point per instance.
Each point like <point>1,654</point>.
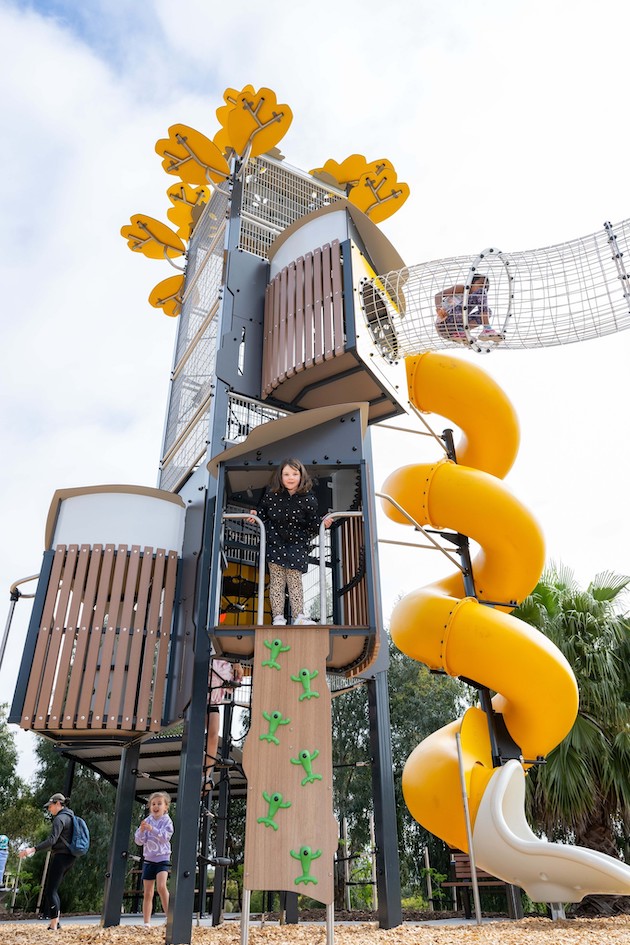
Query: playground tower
<point>139,588</point>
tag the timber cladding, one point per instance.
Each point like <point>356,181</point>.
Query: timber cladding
<point>290,833</point>
<point>304,324</point>
<point>102,649</point>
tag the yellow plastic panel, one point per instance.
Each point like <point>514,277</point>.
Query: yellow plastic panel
<point>379,193</point>
<point>167,295</point>
<point>349,171</point>
<point>439,625</point>
<point>193,157</point>
<point>152,238</point>
<point>256,122</point>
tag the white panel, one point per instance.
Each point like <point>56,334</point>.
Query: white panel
<point>120,518</point>
<point>311,235</point>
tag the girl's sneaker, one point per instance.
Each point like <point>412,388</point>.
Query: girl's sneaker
<point>279,622</point>
<point>302,621</point>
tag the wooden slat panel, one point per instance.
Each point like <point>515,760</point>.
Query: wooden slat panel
<point>137,642</point>
<point>291,309</point>
<point>271,855</point>
<point>275,350</point>
<point>77,674</point>
<point>339,341</point>
<point>282,334</point>
<point>309,326</point>
<point>95,639</point>
<point>300,334</point>
<point>317,306</point>
<point>69,640</point>
<point>41,647</point>
<point>148,660</point>
<point>108,642</point>
<point>120,677</point>
<point>49,669</point>
<point>327,290</point>
<point>168,597</point>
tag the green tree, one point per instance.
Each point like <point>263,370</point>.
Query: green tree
<point>420,703</point>
<point>582,794</point>
<point>11,786</point>
<point>93,798</point>
<point>18,816</point>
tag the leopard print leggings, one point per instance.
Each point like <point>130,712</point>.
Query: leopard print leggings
<point>279,579</point>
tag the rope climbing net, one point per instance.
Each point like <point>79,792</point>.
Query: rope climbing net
<point>557,295</point>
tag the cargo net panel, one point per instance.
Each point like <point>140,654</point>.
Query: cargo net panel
<point>561,294</point>
<point>275,195</point>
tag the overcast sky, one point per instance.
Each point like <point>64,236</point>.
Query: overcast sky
<point>506,118</point>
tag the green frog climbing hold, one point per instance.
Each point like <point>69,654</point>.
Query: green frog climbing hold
<point>306,856</point>
<point>306,678</point>
<point>275,647</point>
<point>306,759</point>
<point>276,803</point>
<point>275,719</point>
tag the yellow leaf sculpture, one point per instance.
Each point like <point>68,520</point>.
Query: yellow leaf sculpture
<point>193,157</point>
<point>152,238</point>
<point>167,295</point>
<point>253,121</point>
<point>348,172</point>
<point>379,193</point>
<point>187,205</point>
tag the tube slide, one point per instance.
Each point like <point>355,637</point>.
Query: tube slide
<point>441,626</point>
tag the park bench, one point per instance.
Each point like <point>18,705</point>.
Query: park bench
<point>461,880</point>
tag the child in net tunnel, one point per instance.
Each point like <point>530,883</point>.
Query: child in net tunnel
<point>290,514</point>
<point>450,312</point>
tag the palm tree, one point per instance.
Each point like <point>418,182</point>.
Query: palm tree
<point>582,794</point>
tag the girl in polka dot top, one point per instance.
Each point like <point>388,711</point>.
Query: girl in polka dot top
<point>291,518</point>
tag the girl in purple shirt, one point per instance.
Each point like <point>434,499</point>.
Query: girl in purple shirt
<point>154,836</point>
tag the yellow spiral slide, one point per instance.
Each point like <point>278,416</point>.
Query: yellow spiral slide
<point>478,639</point>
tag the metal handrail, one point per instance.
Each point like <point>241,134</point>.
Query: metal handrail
<point>435,544</point>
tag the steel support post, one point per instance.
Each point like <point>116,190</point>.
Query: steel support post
<point>119,849</point>
<point>386,834</point>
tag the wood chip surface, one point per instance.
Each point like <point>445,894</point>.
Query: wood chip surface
<point>539,931</point>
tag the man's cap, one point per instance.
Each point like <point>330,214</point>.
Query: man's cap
<point>55,799</point>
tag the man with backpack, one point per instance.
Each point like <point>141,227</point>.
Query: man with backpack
<point>60,843</point>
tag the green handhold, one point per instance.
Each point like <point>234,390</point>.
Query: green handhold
<point>276,647</point>
<point>275,719</point>
<point>306,856</point>
<point>276,803</point>
<point>305,678</point>
<point>306,759</point>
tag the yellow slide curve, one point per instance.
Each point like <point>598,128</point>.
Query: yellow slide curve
<point>441,626</point>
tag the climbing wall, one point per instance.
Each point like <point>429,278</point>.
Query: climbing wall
<point>290,833</point>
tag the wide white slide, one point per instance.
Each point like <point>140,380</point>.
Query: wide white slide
<point>505,846</point>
